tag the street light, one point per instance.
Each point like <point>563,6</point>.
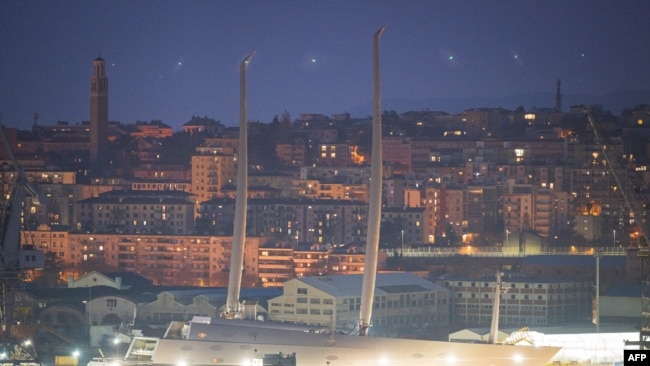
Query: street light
<point>402,241</point>
<point>116,342</point>
<point>614,241</point>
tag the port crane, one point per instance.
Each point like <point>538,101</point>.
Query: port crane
<point>631,189</point>
<point>14,261</point>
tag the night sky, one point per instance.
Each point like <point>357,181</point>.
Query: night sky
<point>170,60</point>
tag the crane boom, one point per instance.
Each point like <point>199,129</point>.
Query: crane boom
<point>13,258</point>
<point>634,203</point>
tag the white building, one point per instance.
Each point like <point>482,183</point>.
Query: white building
<point>402,301</point>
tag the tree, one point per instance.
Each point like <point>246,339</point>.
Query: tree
<point>179,148</point>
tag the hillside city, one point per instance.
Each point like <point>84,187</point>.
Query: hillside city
<point>484,178</point>
<point>540,194</point>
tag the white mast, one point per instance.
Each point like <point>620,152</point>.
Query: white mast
<point>374,209</point>
<point>239,230</point>
<point>494,326</point>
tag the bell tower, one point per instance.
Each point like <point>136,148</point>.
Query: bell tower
<point>98,115</point>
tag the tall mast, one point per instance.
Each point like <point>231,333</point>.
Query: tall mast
<point>374,209</point>
<point>494,326</point>
<point>239,230</point>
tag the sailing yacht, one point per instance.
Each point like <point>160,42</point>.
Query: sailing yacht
<point>231,340</point>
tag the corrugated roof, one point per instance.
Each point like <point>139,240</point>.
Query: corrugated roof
<point>386,283</point>
<point>625,290</point>
<point>574,260</point>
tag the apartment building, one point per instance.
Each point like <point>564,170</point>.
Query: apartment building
<point>431,202</point>
<point>202,125</point>
<point>167,259</point>
<point>132,212</point>
<point>275,265</point>
<point>410,221</point>
<point>280,263</point>
<point>518,209</point>
<point>315,221</point>
<point>312,261</point>
<point>334,155</point>
<point>292,154</point>
<point>211,171</point>
<point>155,129</point>
<point>396,152</point>
<point>480,211</point>
<point>453,222</point>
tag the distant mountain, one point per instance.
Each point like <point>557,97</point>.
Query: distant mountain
<point>614,102</point>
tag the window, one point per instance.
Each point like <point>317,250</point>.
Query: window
<point>302,291</point>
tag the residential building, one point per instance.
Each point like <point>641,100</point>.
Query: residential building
<point>156,129</point>
<point>410,221</point>
<point>197,260</point>
<point>334,155</point>
<point>132,212</point>
<point>202,125</point>
<point>211,171</point>
<point>275,265</point>
<point>396,151</point>
<point>316,221</point>
<point>292,154</point>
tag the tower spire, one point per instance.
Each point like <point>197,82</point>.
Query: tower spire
<point>98,116</point>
